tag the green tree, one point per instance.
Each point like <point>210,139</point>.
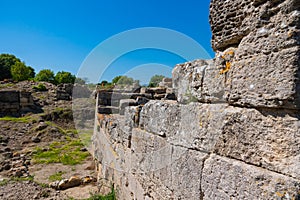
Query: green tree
<point>20,72</point>
<point>64,77</point>
<point>125,80</point>
<point>45,75</point>
<point>32,72</point>
<point>155,80</point>
<point>6,62</point>
<point>116,79</point>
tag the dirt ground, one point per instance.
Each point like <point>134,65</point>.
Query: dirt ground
<point>22,176</point>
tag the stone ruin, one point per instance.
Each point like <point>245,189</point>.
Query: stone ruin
<point>15,103</point>
<point>233,132</point>
<point>115,100</point>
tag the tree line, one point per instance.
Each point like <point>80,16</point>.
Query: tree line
<point>12,68</point>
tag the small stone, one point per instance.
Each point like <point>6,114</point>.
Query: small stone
<point>41,126</point>
<point>4,139</point>
<point>18,173</point>
<point>7,149</point>
<point>83,149</point>
<point>7,155</point>
<point>6,167</point>
<point>36,139</point>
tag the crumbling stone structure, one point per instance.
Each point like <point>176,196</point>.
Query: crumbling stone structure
<point>114,101</point>
<point>233,132</point>
<point>14,103</point>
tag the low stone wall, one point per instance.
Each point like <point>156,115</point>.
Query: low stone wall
<point>14,103</point>
<point>113,101</point>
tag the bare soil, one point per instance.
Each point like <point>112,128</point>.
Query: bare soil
<point>20,176</point>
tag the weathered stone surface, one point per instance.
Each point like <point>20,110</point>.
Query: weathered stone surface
<point>199,80</point>
<point>270,139</point>
<point>265,69</point>
<point>166,82</point>
<point>224,178</point>
<point>15,103</point>
<point>157,90</point>
<point>263,138</point>
<point>160,117</point>
<point>179,180</point>
<point>125,103</point>
<point>152,168</point>
<point>9,96</point>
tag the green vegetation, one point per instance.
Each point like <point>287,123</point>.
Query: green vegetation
<point>85,136</point>
<point>64,77</point>
<point>110,196</point>
<point>46,75</point>
<point>17,119</point>
<point>67,153</point>
<point>20,72</point>
<point>119,81</point>
<point>40,87</point>
<point>155,80</point>
<point>124,80</point>
<point>12,67</point>
<point>15,179</point>
<point>6,62</point>
<point>57,176</point>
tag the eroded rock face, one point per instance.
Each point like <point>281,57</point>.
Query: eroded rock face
<point>15,103</point>
<point>224,178</point>
<point>265,69</point>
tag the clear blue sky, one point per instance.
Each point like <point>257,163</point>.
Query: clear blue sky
<point>59,34</point>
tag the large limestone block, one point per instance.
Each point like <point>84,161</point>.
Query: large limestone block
<point>232,20</point>
<point>201,125</point>
<point>160,117</point>
<point>265,69</point>
<point>198,81</point>
<point>270,139</point>
<point>229,22</point>
<point>9,96</point>
<point>180,179</point>
<point>264,138</point>
<point>163,170</point>
<point>224,178</point>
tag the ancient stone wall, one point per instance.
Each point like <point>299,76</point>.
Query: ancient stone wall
<point>234,131</point>
<point>14,102</point>
<point>114,101</point>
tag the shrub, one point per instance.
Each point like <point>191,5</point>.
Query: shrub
<point>40,87</point>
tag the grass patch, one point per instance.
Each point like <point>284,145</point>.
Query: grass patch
<point>110,196</point>
<point>57,176</point>
<point>40,87</point>
<point>61,130</point>
<point>86,137</point>
<point>17,119</point>
<point>15,179</point>
<point>67,153</point>
<point>7,85</point>
<point>4,182</point>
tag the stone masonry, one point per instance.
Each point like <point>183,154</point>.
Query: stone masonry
<point>234,130</point>
<point>13,102</point>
